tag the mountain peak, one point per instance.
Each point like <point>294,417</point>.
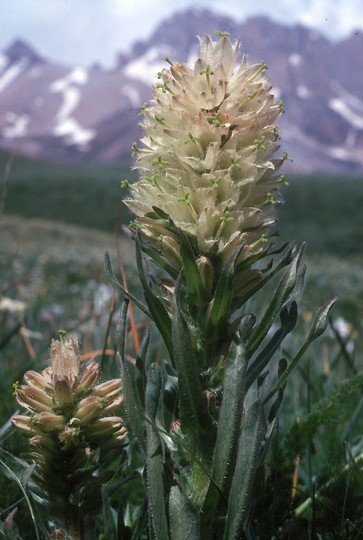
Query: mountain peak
<point>20,49</point>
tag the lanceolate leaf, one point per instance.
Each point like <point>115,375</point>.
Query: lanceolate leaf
<point>112,278</point>
<point>10,473</point>
<point>219,309</point>
<point>230,414</point>
<point>158,312</point>
<point>284,261</point>
<point>184,518</point>
<point>155,468</point>
<point>191,272</point>
<point>288,319</point>
<point>319,325</point>
<point>186,361</point>
<point>133,401</point>
<point>283,291</point>
<point>248,456</point>
<point>133,405</point>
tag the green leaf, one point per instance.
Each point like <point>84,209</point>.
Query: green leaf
<point>109,521</point>
<point>231,411</point>
<point>195,287</point>
<point>121,328</point>
<point>288,318</point>
<point>9,470</point>
<point>282,263</point>
<point>190,391</point>
<point>140,365</point>
<point>319,325</point>
<point>229,423</point>
<point>110,274</point>
<point>154,456</point>
<point>134,410</point>
<point>157,312</point>
<point>219,308</point>
<point>11,531</point>
<point>248,456</point>
<point>282,293</point>
<point>184,518</point>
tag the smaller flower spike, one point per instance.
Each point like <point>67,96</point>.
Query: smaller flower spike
<point>71,416</point>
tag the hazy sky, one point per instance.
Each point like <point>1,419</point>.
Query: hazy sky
<point>84,31</point>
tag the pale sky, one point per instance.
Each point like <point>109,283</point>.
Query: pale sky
<point>85,31</point>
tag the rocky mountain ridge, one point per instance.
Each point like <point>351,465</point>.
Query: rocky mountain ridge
<point>73,113</point>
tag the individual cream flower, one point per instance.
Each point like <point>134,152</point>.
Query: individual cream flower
<point>206,163</point>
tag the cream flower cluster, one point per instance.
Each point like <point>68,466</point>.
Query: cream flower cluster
<point>71,414</point>
<point>206,160</point>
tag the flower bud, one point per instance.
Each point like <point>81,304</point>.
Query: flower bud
<point>65,358</point>
<point>44,444</point>
<point>115,440</point>
<point>104,427</point>
<point>34,399</point>
<point>63,392</point>
<point>37,380</point>
<point>113,406</point>
<point>89,378</point>
<point>88,408</point>
<point>47,421</point>
<point>24,424</point>
<point>108,389</point>
<point>206,272</point>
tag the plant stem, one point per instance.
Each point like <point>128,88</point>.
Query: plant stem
<point>74,522</point>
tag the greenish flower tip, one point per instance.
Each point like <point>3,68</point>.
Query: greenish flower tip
<point>206,71</point>
<point>62,334</point>
<point>134,150</point>
<point>226,217</point>
<point>221,34</point>
<point>16,386</point>
<point>260,143</point>
<point>152,179</point>
<point>283,180</point>
<point>270,199</point>
<point>125,184</point>
<point>159,120</point>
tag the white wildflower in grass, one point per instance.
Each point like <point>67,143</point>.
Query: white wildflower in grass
<point>206,161</point>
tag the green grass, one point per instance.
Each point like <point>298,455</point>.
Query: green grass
<point>84,195</point>
<point>326,212</point>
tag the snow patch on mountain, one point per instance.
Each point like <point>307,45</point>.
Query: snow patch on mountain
<point>295,59</point>
<point>132,94</point>
<point>18,125</point>
<point>3,61</point>
<point>303,92</point>
<point>74,133</point>
<point>145,67</point>
<point>67,126</point>
<point>12,73</point>
<point>341,107</point>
